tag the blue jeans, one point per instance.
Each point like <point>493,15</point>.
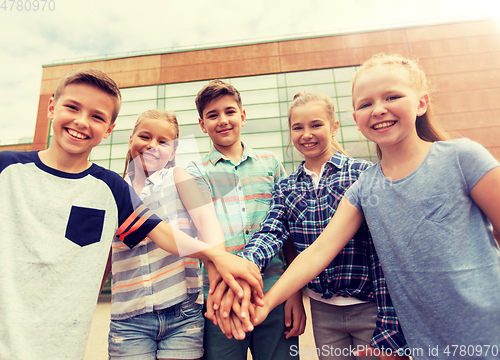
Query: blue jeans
<point>172,333</point>
<point>339,329</point>
<point>266,341</point>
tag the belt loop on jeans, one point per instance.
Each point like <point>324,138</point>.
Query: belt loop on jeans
<point>177,309</point>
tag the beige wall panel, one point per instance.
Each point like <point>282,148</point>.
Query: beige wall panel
<point>450,31</point>
<point>219,55</point>
<point>136,78</point>
<point>476,80</point>
<point>130,64</point>
<point>453,47</point>
<point>341,42</point>
<point>495,151</point>
<point>42,124</point>
<point>337,58</point>
<point>469,120</point>
<point>219,70</point>
<point>461,63</point>
<point>21,147</point>
<point>488,137</point>
<point>468,101</point>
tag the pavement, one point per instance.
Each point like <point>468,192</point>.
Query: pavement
<point>97,344</point>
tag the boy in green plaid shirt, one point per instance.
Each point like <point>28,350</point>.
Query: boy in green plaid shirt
<point>240,182</point>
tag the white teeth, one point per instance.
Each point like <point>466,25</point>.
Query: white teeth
<point>76,134</point>
<point>384,125</point>
<point>149,156</point>
<point>309,145</point>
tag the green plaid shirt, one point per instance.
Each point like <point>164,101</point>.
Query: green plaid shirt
<point>241,194</point>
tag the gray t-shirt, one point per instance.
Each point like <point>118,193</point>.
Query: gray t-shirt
<point>440,259</point>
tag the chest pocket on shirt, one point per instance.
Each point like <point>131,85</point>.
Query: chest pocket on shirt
<point>85,225</point>
<point>437,208</point>
<point>262,184</point>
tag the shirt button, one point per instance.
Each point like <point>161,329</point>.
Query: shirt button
<point>243,209</point>
<point>318,225</point>
<point>239,187</point>
<point>247,232</point>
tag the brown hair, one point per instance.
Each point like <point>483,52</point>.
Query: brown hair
<point>214,90</point>
<point>92,77</point>
<point>157,115</point>
<point>302,98</point>
<point>427,130</point>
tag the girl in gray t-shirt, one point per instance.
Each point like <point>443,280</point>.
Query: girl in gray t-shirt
<point>430,205</point>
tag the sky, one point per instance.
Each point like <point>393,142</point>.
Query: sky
<point>72,29</point>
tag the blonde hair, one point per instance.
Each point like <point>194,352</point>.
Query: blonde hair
<point>302,98</point>
<point>156,115</point>
<point>427,130</point>
<point>92,77</point>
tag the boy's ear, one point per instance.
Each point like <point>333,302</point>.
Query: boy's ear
<point>202,125</point>
<point>423,104</point>
<point>243,117</point>
<point>50,109</point>
<point>109,131</point>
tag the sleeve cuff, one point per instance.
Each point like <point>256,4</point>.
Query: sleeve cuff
<point>389,339</point>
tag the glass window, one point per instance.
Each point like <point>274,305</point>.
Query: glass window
<point>327,89</point>
<point>344,73</point>
<point>137,107</point>
<point>139,93</point>
<point>344,89</point>
<point>262,111</point>
<point>125,122</point>
<point>180,103</point>
<point>259,96</point>
<point>183,89</point>
<point>262,140</point>
<point>309,77</point>
<point>117,165</point>
<point>346,118</point>
<point>121,136</point>
<point>187,117</point>
<point>254,82</point>
<point>186,130</point>
<point>100,152</point>
<point>119,151</point>
<point>344,104</point>
<point>351,133</point>
<point>261,125</point>
<point>358,149</point>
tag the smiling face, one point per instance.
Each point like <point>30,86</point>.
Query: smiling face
<point>152,145</point>
<point>312,132</point>
<point>222,121</point>
<point>81,118</point>
<point>386,105</point>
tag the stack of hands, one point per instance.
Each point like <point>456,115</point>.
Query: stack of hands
<point>238,314</point>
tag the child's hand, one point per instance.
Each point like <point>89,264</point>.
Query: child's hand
<point>214,301</point>
<point>261,313</point>
<point>368,351</point>
<point>231,267</point>
<point>295,316</point>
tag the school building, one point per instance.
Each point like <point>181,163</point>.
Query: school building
<point>461,59</point>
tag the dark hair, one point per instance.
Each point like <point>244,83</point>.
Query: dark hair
<point>427,130</point>
<point>93,77</point>
<point>214,90</point>
<point>158,115</point>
